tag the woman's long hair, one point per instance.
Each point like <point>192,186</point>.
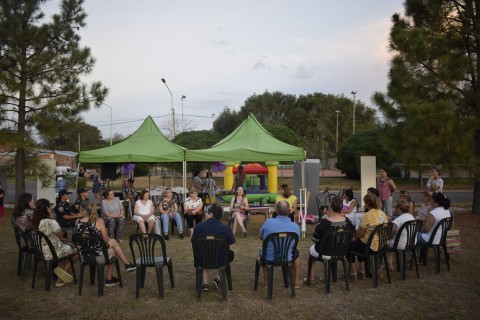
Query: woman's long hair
<point>40,212</point>
<point>286,190</point>
<point>22,204</point>
<point>91,211</point>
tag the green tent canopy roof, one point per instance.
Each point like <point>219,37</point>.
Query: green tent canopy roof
<point>147,144</point>
<point>249,142</point>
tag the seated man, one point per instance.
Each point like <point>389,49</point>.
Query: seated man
<point>65,215</point>
<point>213,225</point>
<point>281,223</point>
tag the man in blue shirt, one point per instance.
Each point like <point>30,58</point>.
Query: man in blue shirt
<point>213,225</point>
<point>281,223</point>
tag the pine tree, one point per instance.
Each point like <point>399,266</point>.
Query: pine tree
<point>433,101</point>
<point>41,63</point>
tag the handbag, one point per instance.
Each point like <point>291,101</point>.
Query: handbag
<point>453,240</point>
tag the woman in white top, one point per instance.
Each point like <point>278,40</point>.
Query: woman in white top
<point>440,211</point>
<point>113,214</point>
<point>144,212</point>
<point>349,208</point>
<point>403,207</point>
<point>435,183</point>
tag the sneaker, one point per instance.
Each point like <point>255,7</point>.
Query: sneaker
<point>166,237</point>
<point>180,236</point>
<point>130,267</point>
<point>205,287</point>
<point>112,282</point>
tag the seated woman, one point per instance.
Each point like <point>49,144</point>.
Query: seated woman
<point>285,194</point>
<point>372,218</point>
<point>334,219</point>
<point>43,221</point>
<point>169,210</point>
<point>349,208</point>
<point>405,195</point>
<point>425,207</point>
<point>403,207</point>
<point>92,224</point>
<point>113,214</point>
<point>143,212</point>
<point>238,209</point>
<point>23,211</point>
<point>193,206</point>
<point>440,211</point>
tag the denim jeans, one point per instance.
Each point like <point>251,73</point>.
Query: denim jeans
<point>166,219</point>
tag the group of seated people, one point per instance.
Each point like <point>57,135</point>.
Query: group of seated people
<point>83,217</point>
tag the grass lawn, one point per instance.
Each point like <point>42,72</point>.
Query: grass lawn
<point>449,295</point>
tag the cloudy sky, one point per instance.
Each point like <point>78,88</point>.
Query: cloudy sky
<point>219,53</point>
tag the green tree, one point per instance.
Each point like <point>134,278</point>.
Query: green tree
<point>365,143</point>
<point>284,134</point>
<point>41,65</point>
<point>68,134</point>
<point>226,122</point>
<point>434,84</point>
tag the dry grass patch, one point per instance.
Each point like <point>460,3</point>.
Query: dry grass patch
<point>450,295</point>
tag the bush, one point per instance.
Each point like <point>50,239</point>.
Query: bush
<point>366,143</point>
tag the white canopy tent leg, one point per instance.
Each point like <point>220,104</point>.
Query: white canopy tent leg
<point>184,180</point>
<point>303,202</point>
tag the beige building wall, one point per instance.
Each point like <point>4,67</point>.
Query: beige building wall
<point>368,174</point>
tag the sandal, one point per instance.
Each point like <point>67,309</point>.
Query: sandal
<point>299,285</point>
<point>381,275</point>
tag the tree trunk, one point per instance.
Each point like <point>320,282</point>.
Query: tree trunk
<point>476,175</point>
<point>21,132</point>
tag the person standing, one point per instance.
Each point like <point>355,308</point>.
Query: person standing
<point>197,182</point>
<point>95,186</point>
<point>240,180</point>
<point>214,225</point>
<point>386,186</point>
<point>435,183</point>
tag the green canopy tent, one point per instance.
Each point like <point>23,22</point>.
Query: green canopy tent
<point>146,144</point>
<point>249,142</point>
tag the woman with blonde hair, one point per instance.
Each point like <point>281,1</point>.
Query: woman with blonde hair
<point>93,225</point>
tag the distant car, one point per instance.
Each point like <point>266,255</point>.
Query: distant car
<point>65,170</point>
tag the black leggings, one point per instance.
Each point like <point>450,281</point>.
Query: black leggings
<point>357,246</point>
<point>190,219</point>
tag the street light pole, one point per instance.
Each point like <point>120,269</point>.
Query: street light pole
<point>336,140</point>
<point>171,106</point>
<point>354,93</point>
<point>213,115</point>
<point>110,121</point>
<point>183,97</point>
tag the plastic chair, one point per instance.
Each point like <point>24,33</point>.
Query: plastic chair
<point>210,249</point>
<point>284,246</point>
<point>38,239</point>
<point>411,229</point>
<point>338,240</point>
<point>25,253</point>
<point>443,226</point>
<point>147,250</point>
<point>88,246</point>
<point>382,231</point>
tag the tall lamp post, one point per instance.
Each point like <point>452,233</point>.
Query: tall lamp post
<point>171,106</point>
<point>336,140</point>
<point>354,93</point>
<point>183,97</point>
<point>110,122</point>
<point>213,115</point>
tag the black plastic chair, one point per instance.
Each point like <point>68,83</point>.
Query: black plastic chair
<point>209,249</point>
<point>443,226</point>
<point>411,229</point>
<point>25,252</point>
<point>150,251</point>
<point>382,231</point>
<point>37,239</point>
<point>338,240</point>
<point>284,246</point>
<point>88,246</point>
